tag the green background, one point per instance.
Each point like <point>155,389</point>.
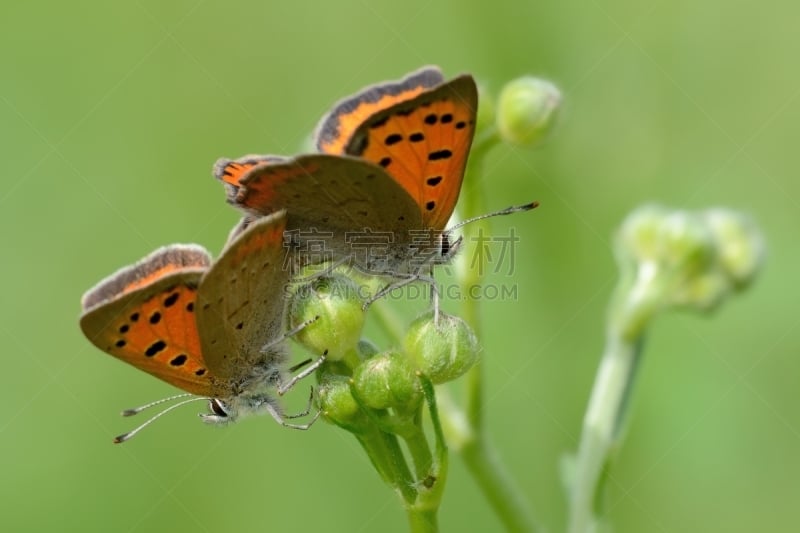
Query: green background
<point>112,113</point>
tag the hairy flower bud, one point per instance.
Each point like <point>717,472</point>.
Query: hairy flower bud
<point>337,405</point>
<point>336,301</point>
<point>442,351</point>
<point>388,381</point>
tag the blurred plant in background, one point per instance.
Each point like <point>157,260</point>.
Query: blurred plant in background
<point>667,259</point>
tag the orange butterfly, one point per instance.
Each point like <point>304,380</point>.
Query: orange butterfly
<point>211,329</point>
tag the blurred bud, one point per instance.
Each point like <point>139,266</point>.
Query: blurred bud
<point>336,301</point>
<point>388,381</point>
<point>686,258</point>
<point>527,109</point>
<point>686,242</point>
<point>337,405</point>
<point>639,234</point>
<point>741,245</point>
<point>441,352</point>
<point>671,239</point>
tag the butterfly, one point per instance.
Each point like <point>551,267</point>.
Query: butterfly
<point>211,328</point>
<point>386,183</point>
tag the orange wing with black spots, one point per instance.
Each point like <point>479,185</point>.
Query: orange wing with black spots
<point>145,315</point>
<point>337,127</point>
<point>422,138</point>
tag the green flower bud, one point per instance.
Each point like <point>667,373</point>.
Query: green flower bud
<point>685,242</point>
<point>681,258</point>
<point>337,303</point>
<point>741,245</point>
<point>441,352</point>
<point>527,110</point>
<point>677,241</point>
<point>702,291</point>
<point>337,405</point>
<point>388,381</point>
<point>639,235</point>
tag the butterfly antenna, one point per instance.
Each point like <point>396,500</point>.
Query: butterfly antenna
<point>506,211</point>
<point>137,410</point>
<point>127,436</point>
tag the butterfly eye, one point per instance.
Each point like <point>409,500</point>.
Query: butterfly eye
<point>217,407</point>
<point>444,247</point>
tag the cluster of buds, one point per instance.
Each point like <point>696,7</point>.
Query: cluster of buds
<point>677,258</point>
<point>359,380</point>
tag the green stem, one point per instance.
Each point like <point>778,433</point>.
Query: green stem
<point>600,437</point>
<point>497,486</point>
<point>502,493</point>
<point>422,519</point>
<point>637,298</point>
<point>386,455</point>
<point>474,205</point>
<point>432,481</point>
<point>420,453</point>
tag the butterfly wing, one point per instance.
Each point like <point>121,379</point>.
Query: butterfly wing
<point>423,143</point>
<point>241,299</point>
<point>337,194</point>
<point>419,129</point>
<point>144,314</point>
<point>338,127</point>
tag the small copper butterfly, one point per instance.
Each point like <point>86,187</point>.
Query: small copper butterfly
<point>213,329</point>
<point>393,161</point>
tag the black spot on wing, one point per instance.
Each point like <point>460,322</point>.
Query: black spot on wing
<point>178,360</point>
<point>439,154</point>
<point>154,348</point>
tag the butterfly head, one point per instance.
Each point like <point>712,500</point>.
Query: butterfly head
<point>223,411</point>
<point>448,247</point>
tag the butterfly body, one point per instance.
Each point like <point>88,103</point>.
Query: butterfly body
<point>213,329</point>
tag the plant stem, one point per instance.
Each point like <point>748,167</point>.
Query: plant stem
<point>420,453</point>
<point>636,299</point>
<point>483,463</point>
<point>498,487</point>
<point>422,519</point>
<point>387,457</point>
<point>602,425</point>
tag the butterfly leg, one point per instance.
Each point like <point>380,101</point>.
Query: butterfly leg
<point>281,419</point>
<point>305,411</point>
<point>291,333</point>
<point>434,297</point>
<point>404,279</point>
<point>389,288</point>
<point>283,388</point>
